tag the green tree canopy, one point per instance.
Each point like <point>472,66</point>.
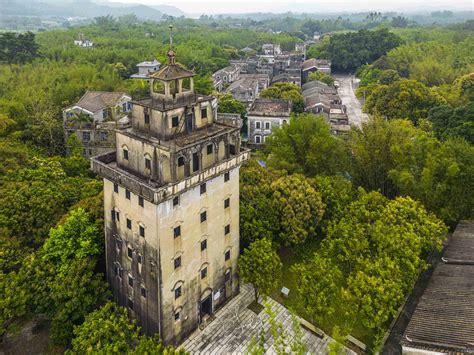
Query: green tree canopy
<point>402,99</point>
<point>286,91</point>
<point>260,265</point>
<point>306,145</point>
<point>320,76</point>
<point>369,261</point>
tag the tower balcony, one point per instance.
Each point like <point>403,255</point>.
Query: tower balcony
<point>106,167</point>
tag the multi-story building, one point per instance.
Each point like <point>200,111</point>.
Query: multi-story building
<point>171,201</point>
<point>265,115</point>
<point>312,65</point>
<point>145,69</point>
<point>94,118</point>
<point>225,76</point>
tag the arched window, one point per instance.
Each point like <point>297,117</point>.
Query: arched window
<point>181,161</point>
<point>125,152</point>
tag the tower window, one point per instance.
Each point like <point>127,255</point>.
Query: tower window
<point>129,252</point>
<point>204,245</point>
<point>129,223</point>
<point>147,118</point>
<point>202,188</point>
<point>177,231</point>
<point>204,113</point>
<point>227,203</point>
<point>180,161</point>
<point>147,164</point>
<point>210,149</point>
<point>116,188</point>
<point>130,281</point>
<point>177,316</point>
<point>203,216</point>
<point>112,213</point>
<point>177,293</point>
<point>125,154</point>
<point>227,229</point>
<point>177,262</point>
<point>227,276</point>
<point>176,201</point>
<point>140,201</point>
<point>227,255</point>
<point>174,121</point>
<point>226,176</point>
<point>127,194</point>
<point>142,231</point>
<point>204,273</point>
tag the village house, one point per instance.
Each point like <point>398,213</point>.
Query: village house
<point>82,41</point>
<point>312,65</point>
<point>263,80</point>
<point>244,89</point>
<point>223,77</point>
<point>171,202</point>
<point>322,99</point>
<point>271,49</point>
<point>145,68</point>
<point>94,118</point>
<point>264,116</point>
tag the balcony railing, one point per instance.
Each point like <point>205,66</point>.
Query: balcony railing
<point>104,166</point>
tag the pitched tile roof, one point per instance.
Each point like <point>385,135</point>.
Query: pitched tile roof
<point>444,316</point>
<point>94,101</point>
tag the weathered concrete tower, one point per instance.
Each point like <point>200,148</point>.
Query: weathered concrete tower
<point>171,200</point>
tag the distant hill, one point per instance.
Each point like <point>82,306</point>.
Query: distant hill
<point>84,8</point>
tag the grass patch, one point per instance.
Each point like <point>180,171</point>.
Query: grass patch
<point>255,307</point>
<point>290,257</point>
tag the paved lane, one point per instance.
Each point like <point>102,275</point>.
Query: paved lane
<point>348,97</point>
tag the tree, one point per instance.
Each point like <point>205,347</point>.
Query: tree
<point>18,48</point>
<point>306,145</point>
<point>298,207</point>
<point>75,292</point>
<point>402,99</point>
<point>348,51</point>
<point>399,21</point>
<point>257,218</point>
<point>261,266</point>
<point>373,148</point>
<point>453,122</point>
<point>36,196</point>
<point>108,330</point>
<point>323,77</point>
<point>227,104</point>
<point>369,261</point>
<point>285,91</point>
<point>77,238</point>
<point>442,180</point>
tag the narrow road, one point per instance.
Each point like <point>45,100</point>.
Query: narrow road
<point>347,94</point>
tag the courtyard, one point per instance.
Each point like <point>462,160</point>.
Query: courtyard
<point>234,326</point>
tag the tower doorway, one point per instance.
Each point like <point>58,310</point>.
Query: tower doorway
<point>205,308</point>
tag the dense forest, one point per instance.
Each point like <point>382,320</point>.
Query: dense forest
<point>354,218</point>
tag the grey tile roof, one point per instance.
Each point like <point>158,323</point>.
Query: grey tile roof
<point>94,101</point>
<point>444,316</point>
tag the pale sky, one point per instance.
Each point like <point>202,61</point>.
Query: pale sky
<point>245,6</point>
